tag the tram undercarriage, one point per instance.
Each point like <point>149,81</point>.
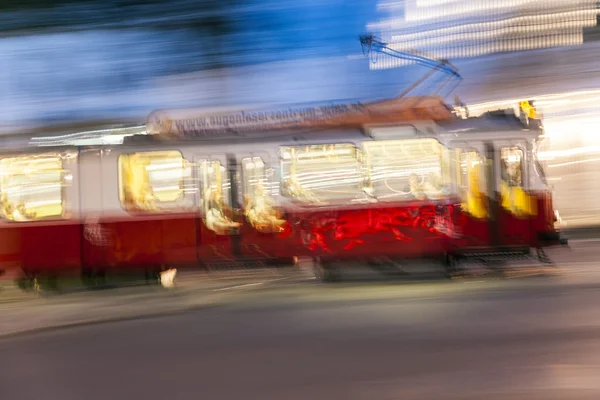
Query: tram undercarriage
<point>481,261</point>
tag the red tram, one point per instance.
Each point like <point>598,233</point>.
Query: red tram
<point>398,179</point>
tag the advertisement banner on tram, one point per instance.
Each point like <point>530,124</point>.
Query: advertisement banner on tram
<point>200,124</point>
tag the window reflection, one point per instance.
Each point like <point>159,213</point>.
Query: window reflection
<point>152,181</point>
<point>514,198</point>
<point>219,217</point>
<point>512,166</point>
<point>258,203</point>
<point>32,187</point>
<point>321,174</point>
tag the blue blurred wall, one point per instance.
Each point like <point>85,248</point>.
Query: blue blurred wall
<point>112,73</point>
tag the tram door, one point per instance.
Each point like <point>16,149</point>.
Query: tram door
<point>263,222</point>
<point>512,207</point>
<point>218,229</point>
<point>474,178</point>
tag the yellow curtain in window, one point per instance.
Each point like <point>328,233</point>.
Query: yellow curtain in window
<point>137,193</point>
<point>475,203</point>
<point>517,201</point>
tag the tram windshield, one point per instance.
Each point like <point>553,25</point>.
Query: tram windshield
<point>406,169</point>
<point>514,197</point>
<point>512,166</point>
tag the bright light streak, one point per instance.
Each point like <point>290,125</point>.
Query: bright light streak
<point>417,11</point>
<point>467,28</point>
<point>42,203</point>
<point>166,188</point>
<point>589,160</point>
<point>163,166</point>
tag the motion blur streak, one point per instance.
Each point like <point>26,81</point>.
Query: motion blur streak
<point>225,150</point>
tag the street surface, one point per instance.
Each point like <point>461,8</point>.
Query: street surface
<point>473,338</point>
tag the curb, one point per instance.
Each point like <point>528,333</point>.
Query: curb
<point>173,311</point>
<point>101,321</point>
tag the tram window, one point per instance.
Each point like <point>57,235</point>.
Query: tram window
<point>254,177</point>
<point>321,174</point>
<point>216,198</point>
<point>514,198</point>
<point>258,202</point>
<point>471,180</point>
<point>471,172</point>
<point>152,181</point>
<point>511,159</point>
<point>406,169</point>
<point>32,187</point>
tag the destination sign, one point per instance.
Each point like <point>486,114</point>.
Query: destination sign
<point>201,124</point>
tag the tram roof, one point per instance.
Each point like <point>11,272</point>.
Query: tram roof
<point>493,121</point>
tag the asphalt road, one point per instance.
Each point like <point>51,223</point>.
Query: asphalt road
<point>502,341</point>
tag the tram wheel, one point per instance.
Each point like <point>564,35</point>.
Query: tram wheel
<point>327,271</point>
<point>93,279</point>
<point>450,265</point>
<point>152,276</point>
<point>333,273</point>
<point>48,283</point>
<point>25,283</point>
<point>87,278</point>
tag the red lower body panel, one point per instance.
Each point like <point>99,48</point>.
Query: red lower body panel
<point>410,231</point>
<point>400,230</point>
<point>157,241</point>
<point>35,247</point>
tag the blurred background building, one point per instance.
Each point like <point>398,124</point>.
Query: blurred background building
<point>68,61</point>
<point>454,29</point>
